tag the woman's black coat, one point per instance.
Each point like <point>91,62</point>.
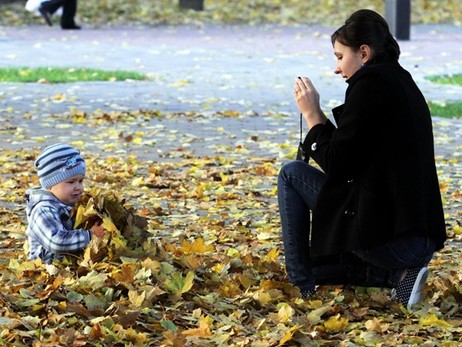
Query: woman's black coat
<point>380,165</point>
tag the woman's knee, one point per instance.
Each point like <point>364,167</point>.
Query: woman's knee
<point>291,168</point>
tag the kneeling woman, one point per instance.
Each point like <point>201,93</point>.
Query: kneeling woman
<point>377,215</point>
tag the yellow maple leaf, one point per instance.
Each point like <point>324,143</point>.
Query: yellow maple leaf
<point>135,336</point>
<point>59,97</point>
<point>197,246</point>
<point>336,323</point>
<point>79,216</point>
<point>108,224</point>
<point>230,288</point>
<point>125,274</point>
<point>203,330</point>
<point>432,320</point>
<point>288,335</point>
<point>457,229</point>
<point>118,242</point>
<point>376,325</point>
<point>231,114</point>
<point>192,261</point>
<point>263,297</point>
<point>285,313</point>
<point>139,181</point>
<point>151,264</point>
<point>272,255</point>
<point>136,298</point>
<point>246,281</point>
<point>180,83</point>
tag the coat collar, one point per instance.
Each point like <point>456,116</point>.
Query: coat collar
<point>372,68</point>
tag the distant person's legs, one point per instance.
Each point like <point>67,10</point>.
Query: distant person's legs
<point>67,18</point>
<point>48,8</point>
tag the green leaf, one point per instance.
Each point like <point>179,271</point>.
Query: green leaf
<point>178,284</point>
<point>27,303</point>
<point>73,296</point>
<point>93,280</point>
<point>168,325</point>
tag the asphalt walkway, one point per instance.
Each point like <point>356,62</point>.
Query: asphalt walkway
<point>206,69</point>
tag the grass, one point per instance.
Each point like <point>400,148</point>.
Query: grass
<point>65,75</point>
<point>447,79</point>
<point>452,109</point>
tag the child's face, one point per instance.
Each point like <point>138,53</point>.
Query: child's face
<point>70,190</point>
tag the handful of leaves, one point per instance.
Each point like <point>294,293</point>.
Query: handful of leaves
<point>126,231</point>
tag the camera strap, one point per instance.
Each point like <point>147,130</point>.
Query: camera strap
<point>301,132</point>
<point>300,152</point>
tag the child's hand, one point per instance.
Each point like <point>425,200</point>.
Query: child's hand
<point>98,230</point>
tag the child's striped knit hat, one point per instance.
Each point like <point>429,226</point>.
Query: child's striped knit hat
<point>58,162</point>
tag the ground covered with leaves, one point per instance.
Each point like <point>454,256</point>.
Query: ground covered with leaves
<point>148,12</point>
<point>194,254</point>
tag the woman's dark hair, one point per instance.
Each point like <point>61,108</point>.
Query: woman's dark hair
<point>366,27</point>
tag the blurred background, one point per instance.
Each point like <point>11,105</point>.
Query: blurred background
<point>251,12</point>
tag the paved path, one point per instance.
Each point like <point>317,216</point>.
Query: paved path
<point>247,69</point>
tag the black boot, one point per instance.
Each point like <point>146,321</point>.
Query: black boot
<point>45,14</point>
<point>71,27</point>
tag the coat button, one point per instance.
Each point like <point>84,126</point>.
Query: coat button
<point>349,213</point>
<point>314,145</point>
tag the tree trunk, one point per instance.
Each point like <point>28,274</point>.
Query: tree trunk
<point>197,5</point>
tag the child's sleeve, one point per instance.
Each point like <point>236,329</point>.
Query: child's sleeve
<point>49,231</point>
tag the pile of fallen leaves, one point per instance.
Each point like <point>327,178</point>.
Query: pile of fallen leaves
<point>125,231</point>
<point>194,258</point>
<point>146,12</point>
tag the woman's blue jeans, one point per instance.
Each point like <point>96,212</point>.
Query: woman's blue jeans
<point>299,185</point>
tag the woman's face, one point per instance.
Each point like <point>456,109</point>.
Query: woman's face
<point>348,60</point>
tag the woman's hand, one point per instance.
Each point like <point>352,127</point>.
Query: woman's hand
<point>307,98</point>
<point>98,230</point>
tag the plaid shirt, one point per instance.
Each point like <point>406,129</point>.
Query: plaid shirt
<point>49,231</point>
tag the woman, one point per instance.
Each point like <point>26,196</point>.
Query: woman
<point>376,205</point>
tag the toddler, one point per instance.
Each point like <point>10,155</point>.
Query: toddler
<point>61,170</point>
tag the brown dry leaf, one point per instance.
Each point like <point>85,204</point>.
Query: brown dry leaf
<point>204,329</point>
<point>376,325</point>
<point>193,232</point>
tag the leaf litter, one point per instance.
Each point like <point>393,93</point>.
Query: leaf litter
<point>194,256</point>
